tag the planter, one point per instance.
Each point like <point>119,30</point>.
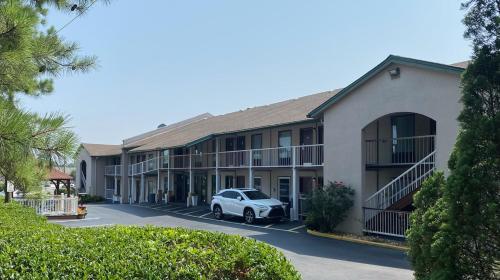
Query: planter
<point>194,200</point>
<point>81,216</point>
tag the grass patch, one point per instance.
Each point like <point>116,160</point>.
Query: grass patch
<point>31,248</point>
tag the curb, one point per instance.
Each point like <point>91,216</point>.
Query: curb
<point>359,241</point>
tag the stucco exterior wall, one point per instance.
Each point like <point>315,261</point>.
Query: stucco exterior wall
<point>427,92</point>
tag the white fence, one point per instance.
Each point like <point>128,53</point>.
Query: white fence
<point>386,222</point>
<point>53,206</point>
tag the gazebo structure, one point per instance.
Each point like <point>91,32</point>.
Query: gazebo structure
<point>57,177</point>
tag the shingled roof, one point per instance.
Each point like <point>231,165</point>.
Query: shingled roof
<point>285,112</point>
<point>99,150</point>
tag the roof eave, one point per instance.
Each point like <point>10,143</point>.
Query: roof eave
<point>391,59</point>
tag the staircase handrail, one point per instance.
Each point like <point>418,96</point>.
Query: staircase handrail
<point>383,189</point>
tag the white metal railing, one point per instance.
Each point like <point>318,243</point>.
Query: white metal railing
<point>151,165</point>
<point>113,170</point>
<point>298,156</point>
<point>203,160</point>
<point>404,184</point>
<point>386,222</point>
<point>53,206</point>
<point>109,192</point>
<point>272,157</point>
<point>398,151</point>
<point>179,162</point>
<point>309,155</point>
<point>234,159</point>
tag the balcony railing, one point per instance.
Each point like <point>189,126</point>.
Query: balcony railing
<point>113,170</point>
<point>179,162</point>
<point>293,156</point>
<point>398,151</point>
<point>203,160</point>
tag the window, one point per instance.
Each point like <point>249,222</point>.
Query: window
<point>285,138</point>
<point>320,135</point>
<point>402,149</point>
<point>229,182</point>
<point>285,152</point>
<point>257,183</point>
<point>256,141</point>
<point>240,181</point>
<point>229,144</point>
<point>165,158</point>
<point>240,143</point>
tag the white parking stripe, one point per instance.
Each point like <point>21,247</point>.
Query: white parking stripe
<point>204,215</point>
<point>296,228</point>
<point>199,210</point>
<point>269,225</point>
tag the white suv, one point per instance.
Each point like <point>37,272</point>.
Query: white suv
<point>250,204</point>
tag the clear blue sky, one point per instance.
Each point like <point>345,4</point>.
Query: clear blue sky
<point>164,61</point>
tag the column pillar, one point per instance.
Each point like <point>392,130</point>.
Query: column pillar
<point>294,211</point>
<point>250,169</point>
<point>158,198</point>
<point>217,175</point>
<point>168,184</point>
<point>190,180</point>
<point>142,197</point>
<point>115,192</point>
<point>131,188</point>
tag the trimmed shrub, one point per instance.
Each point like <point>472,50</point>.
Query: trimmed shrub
<point>86,198</point>
<point>328,206</point>
<point>31,248</point>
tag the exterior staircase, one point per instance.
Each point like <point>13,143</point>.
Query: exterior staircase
<point>382,212</point>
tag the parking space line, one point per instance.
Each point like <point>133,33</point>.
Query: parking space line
<point>296,228</point>
<point>204,215</point>
<point>200,210</point>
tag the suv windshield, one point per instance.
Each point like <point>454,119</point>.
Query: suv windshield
<point>254,195</point>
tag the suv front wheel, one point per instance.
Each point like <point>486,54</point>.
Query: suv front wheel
<point>218,212</point>
<point>249,216</point>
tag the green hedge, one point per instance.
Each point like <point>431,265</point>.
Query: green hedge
<point>31,248</point>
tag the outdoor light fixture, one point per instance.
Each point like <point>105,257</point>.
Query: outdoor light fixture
<point>394,73</point>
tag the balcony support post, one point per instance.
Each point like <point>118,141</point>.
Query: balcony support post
<point>190,181</point>
<point>142,197</point>
<point>294,211</point>
<point>250,169</point>
<point>158,198</point>
<point>217,175</point>
<point>131,197</point>
<point>115,192</point>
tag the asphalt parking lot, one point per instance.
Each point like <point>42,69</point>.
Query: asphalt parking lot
<point>314,257</point>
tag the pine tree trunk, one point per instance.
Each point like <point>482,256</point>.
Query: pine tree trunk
<point>7,195</point>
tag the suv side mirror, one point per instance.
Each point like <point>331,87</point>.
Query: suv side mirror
<point>239,198</point>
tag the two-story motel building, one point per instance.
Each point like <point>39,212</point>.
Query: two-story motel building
<point>382,135</point>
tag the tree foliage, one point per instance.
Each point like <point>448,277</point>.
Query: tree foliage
<point>31,55</point>
<point>327,206</point>
<point>463,239</point>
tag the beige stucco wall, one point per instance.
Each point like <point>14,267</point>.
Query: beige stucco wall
<point>427,92</point>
